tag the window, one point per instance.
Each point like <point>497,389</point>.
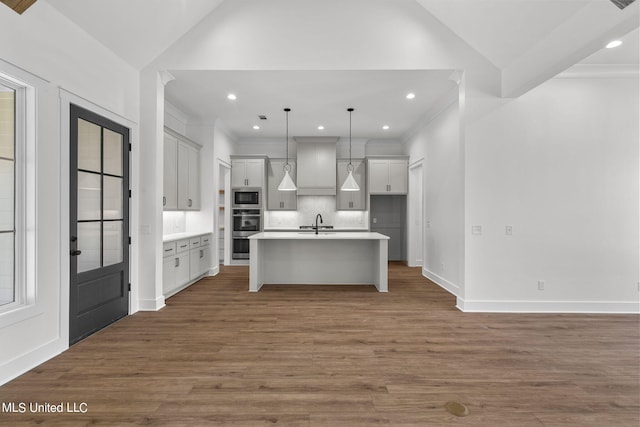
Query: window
<point>7,194</point>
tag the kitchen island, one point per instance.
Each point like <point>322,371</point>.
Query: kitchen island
<point>306,258</point>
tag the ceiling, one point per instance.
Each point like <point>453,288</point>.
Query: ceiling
<point>528,41</point>
<point>315,98</point>
<point>136,30</point>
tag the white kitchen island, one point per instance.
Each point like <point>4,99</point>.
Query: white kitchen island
<point>306,258</point>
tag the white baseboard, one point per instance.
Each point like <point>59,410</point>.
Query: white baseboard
<point>151,304</point>
<point>18,366</point>
<point>214,271</point>
<point>448,286</point>
<point>608,307</point>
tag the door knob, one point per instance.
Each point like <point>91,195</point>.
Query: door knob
<point>75,252</point>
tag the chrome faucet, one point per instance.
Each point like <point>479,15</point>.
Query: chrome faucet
<point>318,216</point>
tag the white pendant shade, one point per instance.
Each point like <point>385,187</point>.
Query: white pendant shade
<point>350,183</point>
<point>287,183</point>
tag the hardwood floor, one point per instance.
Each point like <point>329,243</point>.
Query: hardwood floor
<point>340,356</point>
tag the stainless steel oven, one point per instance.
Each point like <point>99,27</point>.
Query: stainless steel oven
<point>250,198</point>
<point>245,223</point>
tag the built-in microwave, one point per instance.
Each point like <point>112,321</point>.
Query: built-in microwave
<point>246,198</point>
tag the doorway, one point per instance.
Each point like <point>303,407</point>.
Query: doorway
<point>99,222</point>
<point>224,201</point>
<point>416,215</point>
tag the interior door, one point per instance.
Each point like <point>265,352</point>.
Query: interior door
<point>99,223</point>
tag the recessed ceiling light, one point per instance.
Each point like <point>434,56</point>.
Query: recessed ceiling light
<point>256,127</point>
<point>320,127</point>
<point>385,127</point>
<point>613,44</point>
<point>232,96</point>
<point>411,95</point>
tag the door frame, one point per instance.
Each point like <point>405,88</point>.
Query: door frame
<point>66,99</point>
<point>415,256</point>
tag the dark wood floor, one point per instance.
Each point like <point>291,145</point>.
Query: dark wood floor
<point>340,356</point>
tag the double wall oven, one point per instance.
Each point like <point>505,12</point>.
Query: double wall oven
<point>246,219</point>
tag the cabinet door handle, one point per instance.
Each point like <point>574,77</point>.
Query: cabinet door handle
<point>75,252</point>
<point>282,204</point>
<point>164,200</point>
<point>350,204</point>
<point>190,202</point>
<point>201,253</point>
<point>177,262</point>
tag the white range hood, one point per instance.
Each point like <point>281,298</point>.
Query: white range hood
<point>316,165</point>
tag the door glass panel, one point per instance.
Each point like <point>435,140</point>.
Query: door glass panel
<point>88,196</point>
<point>112,152</point>
<point>7,121</point>
<point>89,244</point>
<point>6,268</point>
<point>6,195</point>
<point>112,243</point>
<point>112,198</point>
<point>88,146</point>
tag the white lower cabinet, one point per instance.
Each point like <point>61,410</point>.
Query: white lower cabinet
<point>184,261</point>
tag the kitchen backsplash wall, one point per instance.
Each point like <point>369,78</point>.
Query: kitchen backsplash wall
<point>174,222</point>
<point>308,207</point>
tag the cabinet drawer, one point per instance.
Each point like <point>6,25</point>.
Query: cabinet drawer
<point>168,249</point>
<point>183,245</point>
<point>204,240</point>
<point>194,242</point>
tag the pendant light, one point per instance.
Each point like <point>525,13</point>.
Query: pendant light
<point>350,183</point>
<point>287,183</point>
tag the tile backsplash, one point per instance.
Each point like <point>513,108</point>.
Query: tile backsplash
<point>174,222</point>
<point>308,207</point>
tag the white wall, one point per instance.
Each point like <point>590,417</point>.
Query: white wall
<point>559,165</point>
<point>365,35</point>
<point>43,43</point>
<point>439,144</point>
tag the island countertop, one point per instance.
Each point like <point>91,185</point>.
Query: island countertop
<point>322,235</point>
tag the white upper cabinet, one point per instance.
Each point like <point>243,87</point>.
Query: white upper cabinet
<point>280,200</point>
<point>351,200</point>
<point>181,178</point>
<point>170,176</point>
<point>316,166</point>
<point>388,175</point>
<point>247,172</point>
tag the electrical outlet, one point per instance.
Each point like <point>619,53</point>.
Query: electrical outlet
<point>375,220</point>
<point>476,230</point>
<point>541,285</point>
<point>428,224</point>
<point>508,230</point>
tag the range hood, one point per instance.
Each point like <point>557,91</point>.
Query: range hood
<point>316,165</point>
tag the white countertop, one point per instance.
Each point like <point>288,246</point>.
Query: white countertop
<point>297,228</point>
<point>180,236</point>
<point>322,235</point>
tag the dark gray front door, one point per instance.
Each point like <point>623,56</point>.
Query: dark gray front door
<point>99,228</point>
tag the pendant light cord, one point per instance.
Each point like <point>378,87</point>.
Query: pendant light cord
<point>286,110</point>
<point>350,110</point>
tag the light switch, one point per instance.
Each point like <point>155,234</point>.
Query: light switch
<point>508,230</point>
<point>476,230</point>
<point>375,220</point>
